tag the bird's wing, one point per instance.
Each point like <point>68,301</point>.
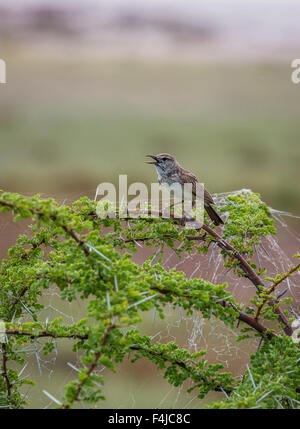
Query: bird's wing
<point>207,197</point>
<point>188,177</point>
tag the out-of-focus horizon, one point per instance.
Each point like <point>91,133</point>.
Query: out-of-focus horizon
<point>215,30</point>
<point>94,86</point>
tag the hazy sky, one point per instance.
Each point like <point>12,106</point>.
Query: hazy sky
<point>241,23</point>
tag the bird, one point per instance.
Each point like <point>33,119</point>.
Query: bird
<point>170,172</point>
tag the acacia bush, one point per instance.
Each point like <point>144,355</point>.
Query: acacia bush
<point>89,259</point>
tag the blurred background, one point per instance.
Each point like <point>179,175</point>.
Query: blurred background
<point>94,86</point>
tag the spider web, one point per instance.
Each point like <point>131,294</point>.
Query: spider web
<point>194,333</point>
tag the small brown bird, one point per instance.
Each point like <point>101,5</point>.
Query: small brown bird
<point>170,172</point>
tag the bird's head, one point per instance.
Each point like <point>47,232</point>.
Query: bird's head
<point>163,162</point>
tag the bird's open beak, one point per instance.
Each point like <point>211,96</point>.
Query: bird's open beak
<point>152,162</point>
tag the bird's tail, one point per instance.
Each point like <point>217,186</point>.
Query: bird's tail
<point>213,215</point>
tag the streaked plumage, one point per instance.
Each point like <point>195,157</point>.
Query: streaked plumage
<point>170,172</point>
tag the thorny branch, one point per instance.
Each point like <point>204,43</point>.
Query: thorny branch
<point>53,217</point>
<point>227,247</point>
<point>4,371</point>
<point>70,232</point>
<point>179,363</point>
<point>92,367</point>
<point>273,287</point>
<point>220,242</point>
<point>44,334</point>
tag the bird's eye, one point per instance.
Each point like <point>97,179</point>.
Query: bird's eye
<point>165,159</point>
